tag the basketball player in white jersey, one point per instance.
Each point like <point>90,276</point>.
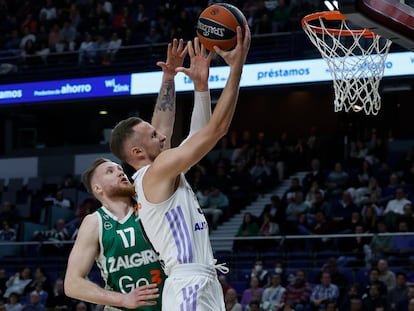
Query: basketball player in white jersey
<point>108,182</point>
<point>168,209</point>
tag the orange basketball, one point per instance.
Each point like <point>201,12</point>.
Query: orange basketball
<point>217,26</point>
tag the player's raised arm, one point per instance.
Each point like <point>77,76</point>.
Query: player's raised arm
<point>171,163</point>
<point>164,111</point>
<point>199,72</point>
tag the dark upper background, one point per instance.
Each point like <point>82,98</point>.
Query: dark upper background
<point>145,27</point>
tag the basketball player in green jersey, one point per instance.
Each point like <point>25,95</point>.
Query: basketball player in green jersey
<point>112,236</point>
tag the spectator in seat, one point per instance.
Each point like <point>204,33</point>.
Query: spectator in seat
<point>320,225</point>
<point>385,274</point>
<point>380,244</point>
<point>259,272</point>
<point>369,218</point>
<point>373,300</point>
<point>274,296</point>
<point>395,208</point>
<point>252,293</point>
<point>274,209</point>
<point>48,12</point>
<point>28,52</point>
<point>261,173</point>
<point>34,303</point>
<point>55,41</point>
<point>289,194</point>
<point>69,35</point>
<point>337,277</point>
<point>352,299</point>
<point>58,300</point>
<point>315,174</point>
<point>87,50</point>
<point>298,293</point>
<point>355,249</point>
<point>319,203</point>
<point>224,283</point>
<point>341,212</point>
<point>398,292</point>
<point>40,277</point>
<point>312,193</point>
<point>402,305</point>
<point>113,47</point>
<point>389,190</point>
<point>279,268</point>
<point>57,235</point>
<point>281,17</point>
<point>268,228</point>
<point>254,305</point>
<point>402,245</point>
<point>248,228</point>
<point>9,213</point>
<point>231,302</point>
<point>363,193</point>
<point>17,282</point>
<point>337,181</point>
<point>59,200</point>
<point>43,295</point>
<point>27,36</point>
<point>324,292</point>
<point>86,207</point>
<point>7,233</point>
<point>216,205</point>
<point>30,22</point>
<point>13,303</point>
<point>293,211</point>
<point>408,216</point>
<point>152,36</point>
<point>373,279</point>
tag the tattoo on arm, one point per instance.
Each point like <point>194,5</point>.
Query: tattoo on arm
<point>166,98</point>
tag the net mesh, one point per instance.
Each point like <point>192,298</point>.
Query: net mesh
<point>356,61</point>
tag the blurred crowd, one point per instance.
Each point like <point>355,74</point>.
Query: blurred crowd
<point>328,288</point>
<point>97,29</point>
<point>362,192</point>
<point>33,289</point>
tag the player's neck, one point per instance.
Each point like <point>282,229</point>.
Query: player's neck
<point>118,207</point>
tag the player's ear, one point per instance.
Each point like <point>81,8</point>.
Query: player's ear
<point>96,188</point>
<point>136,150</point>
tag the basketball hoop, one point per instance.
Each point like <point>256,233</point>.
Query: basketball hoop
<point>356,60</point>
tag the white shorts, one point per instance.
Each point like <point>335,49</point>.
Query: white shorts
<point>192,287</point>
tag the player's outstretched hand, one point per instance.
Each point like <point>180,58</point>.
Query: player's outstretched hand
<point>237,56</point>
<point>176,53</point>
<point>200,60</point>
<point>141,296</point>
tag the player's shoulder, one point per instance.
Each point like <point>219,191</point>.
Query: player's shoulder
<point>90,221</point>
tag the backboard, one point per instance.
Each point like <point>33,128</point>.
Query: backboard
<point>391,19</point>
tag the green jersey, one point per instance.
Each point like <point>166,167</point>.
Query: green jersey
<point>126,259</point>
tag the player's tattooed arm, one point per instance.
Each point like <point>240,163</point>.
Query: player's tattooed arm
<point>166,99</point>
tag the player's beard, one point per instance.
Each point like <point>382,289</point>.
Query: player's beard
<point>125,191</point>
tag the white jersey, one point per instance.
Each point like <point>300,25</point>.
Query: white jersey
<point>176,228</point>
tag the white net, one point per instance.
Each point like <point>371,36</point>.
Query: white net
<point>356,60</point>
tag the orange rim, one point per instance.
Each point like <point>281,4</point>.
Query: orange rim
<point>333,15</point>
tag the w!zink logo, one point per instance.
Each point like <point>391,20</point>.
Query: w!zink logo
<point>116,87</point>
